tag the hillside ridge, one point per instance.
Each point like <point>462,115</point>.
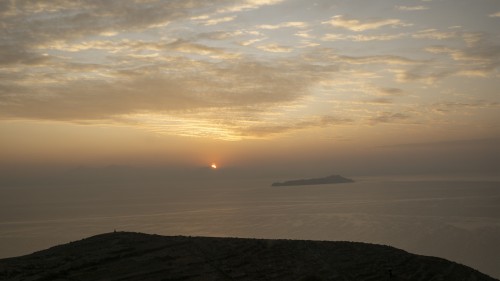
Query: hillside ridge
<point>137,256</point>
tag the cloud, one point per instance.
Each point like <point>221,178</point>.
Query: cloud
<point>12,54</point>
<point>472,38</point>
<point>380,101</point>
<point>486,54</point>
<point>219,20</point>
<point>219,35</point>
<point>307,44</point>
<point>431,74</point>
<point>425,74</point>
<point>461,106</point>
<point>392,92</point>
<point>269,130</point>
<point>138,47</point>
<point>381,95</point>
<point>482,57</point>
<point>193,87</point>
<point>361,37</point>
<point>462,144</point>
<point>294,24</point>
<point>388,117</point>
<point>304,34</point>
<point>331,55</point>
<point>247,122</point>
<point>275,48</point>
<point>200,49</point>
<point>32,24</point>
<point>90,78</point>
<point>495,15</point>
<point>251,41</point>
<point>434,34</point>
<point>162,64</point>
<point>412,8</point>
<point>378,59</point>
<point>248,5</point>
<point>439,49</point>
<point>358,26</point>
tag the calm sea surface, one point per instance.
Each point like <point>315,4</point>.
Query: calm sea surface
<point>456,220</point>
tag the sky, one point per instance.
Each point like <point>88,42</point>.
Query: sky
<point>355,87</point>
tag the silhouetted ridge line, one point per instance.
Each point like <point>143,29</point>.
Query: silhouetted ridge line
<point>136,256</point>
<point>314,181</point>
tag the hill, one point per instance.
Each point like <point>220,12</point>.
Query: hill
<point>136,256</point>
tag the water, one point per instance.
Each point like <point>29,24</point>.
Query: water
<point>456,220</point>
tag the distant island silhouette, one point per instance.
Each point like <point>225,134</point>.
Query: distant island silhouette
<point>314,181</point>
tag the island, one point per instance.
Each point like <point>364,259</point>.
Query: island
<point>314,181</point>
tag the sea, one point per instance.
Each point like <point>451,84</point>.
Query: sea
<point>458,220</point>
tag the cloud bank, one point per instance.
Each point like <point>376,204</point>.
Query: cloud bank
<point>184,61</point>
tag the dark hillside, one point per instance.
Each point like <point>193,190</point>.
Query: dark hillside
<point>136,256</point>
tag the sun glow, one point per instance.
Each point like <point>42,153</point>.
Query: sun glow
<point>214,166</point>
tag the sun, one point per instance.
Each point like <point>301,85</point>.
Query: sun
<point>213,166</point>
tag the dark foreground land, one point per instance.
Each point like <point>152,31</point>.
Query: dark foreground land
<point>136,256</point>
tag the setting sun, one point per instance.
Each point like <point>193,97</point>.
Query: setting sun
<point>214,166</point>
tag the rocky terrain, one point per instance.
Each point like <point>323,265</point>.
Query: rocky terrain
<point>137,256</point>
